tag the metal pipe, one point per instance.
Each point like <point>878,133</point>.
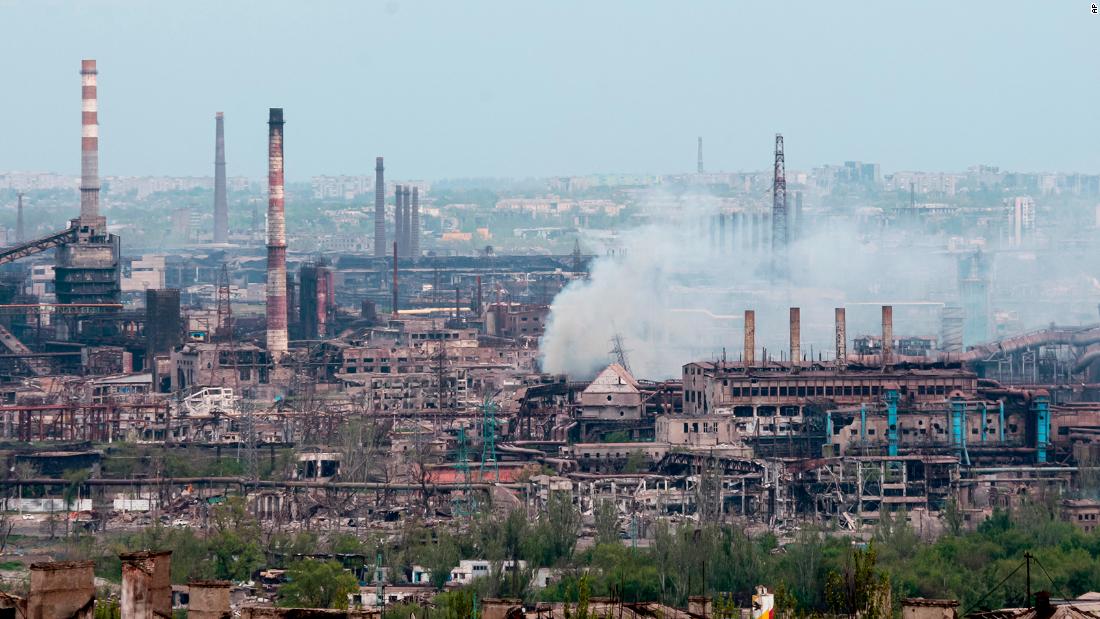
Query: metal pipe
<point>750,338</point>
<point>379,209</point>
<point>276,238</point>
<point>887,334</point>
<point>221,207</point>
<point>1001,426</point>
<point>985,421</point>
<point>841,337</point>
<point>89,149</point>
<point>796,336</point>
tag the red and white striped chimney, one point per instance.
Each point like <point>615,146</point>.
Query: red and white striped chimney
<point>89,149</point>
<point>276,238</point>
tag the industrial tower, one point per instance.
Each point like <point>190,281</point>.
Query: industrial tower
<point>221,206</point>
<point>379,209</point>
<point>700,163</point>
<point>779,199</point>
<point>87,270</point>
<point>276,238</point>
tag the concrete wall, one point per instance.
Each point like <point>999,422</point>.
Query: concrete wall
<point>146,585</point>
<point>700,431</point>
<point>208,599</point>
<point>62,590</point>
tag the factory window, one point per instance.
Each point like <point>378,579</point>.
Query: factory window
<point>801,392</point>
<point>853,432</point>
<point>782,392</point>
<point>871,431</point>
<point>829,390</point>
<point>685,427</point>
<point>773,391</point>
<point>755,391</point>
<point>742,411</point>
<point>695,426</point>
<point>847,390</point>
<point>820,390</point>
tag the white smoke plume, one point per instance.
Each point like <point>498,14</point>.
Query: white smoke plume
<point>674,292</point>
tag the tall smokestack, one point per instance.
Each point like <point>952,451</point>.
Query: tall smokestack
<point>887,334</point>
<point>779,198</point>
<point>221,208</point>
<point>841,337</point>
<point>414,229</point>
<point>89,150</point>
<point>699,167</point>
<point>379,209</point>
<point>19,233</point>
<point>395,278</point>
<point>276,238</point>
<point>406,223</point>
<point>796,336</point>
<point>398,221</point>
<point>750,338</point>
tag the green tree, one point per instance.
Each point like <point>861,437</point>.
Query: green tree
<point>557,530</point>
<point>317,584</point>
<point>859,589</point>
<point>953,517</point>
<point>607,522</point>
<point>234,544</point>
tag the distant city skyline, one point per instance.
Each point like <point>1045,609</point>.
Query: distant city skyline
<point>497,89</point>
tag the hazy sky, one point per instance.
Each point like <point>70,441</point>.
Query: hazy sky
<point>533,88</point>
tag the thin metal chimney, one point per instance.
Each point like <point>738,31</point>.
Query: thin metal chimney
<point>750,338</point>
<point>406,222</point>
<point>395,279</point>
<point>221,207</point>
<point>414,229</point>
<point>841,337</point>
<point>89,150</point>
<point>699,168</point>
<point>20,236</point>
<point>276,238</point>
<point>796,336</point>
<point>398,220</point>
<point>887,334</point>
<point>379,209</point>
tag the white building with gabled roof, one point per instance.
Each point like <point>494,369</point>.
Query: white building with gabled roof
<point>613,395</point>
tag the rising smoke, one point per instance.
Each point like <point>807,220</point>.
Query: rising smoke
<point>674,289</point>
